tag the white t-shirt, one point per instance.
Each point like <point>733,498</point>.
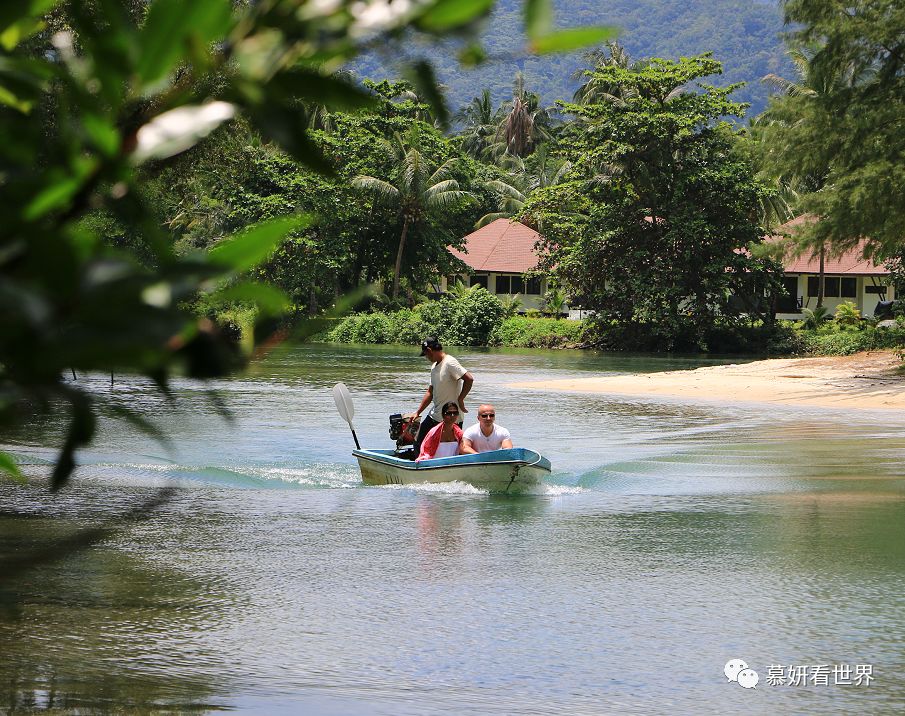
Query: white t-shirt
<point>446,381</point>
<point>485,443</point>
<point>447,449</point>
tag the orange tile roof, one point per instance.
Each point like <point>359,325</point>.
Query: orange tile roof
<point>851,262</point>
<point>503,245</point>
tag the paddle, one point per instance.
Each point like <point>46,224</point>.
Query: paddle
<point>345,408</point>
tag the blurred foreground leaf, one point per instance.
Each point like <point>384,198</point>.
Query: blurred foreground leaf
<point>9,466</point>
<point>250,247</point>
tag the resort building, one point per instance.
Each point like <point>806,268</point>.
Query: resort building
<point>499,255</point>
<point>503,252</point>
<point>847,277</point>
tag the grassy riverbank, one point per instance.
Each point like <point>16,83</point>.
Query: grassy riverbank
<point>480,324</point>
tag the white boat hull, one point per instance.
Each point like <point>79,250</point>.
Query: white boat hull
<point>498,471</point>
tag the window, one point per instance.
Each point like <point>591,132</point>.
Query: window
<point>878,290</point>
<point>849,287</point>
<point>532,287</point>
<point>479,281</point>
<point>510,284</point>
<point>830,286</point>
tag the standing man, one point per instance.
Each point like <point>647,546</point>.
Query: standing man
<point>449,382</point>
<point>486,435</point>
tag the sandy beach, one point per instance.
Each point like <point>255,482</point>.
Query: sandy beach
<point>866,381</point>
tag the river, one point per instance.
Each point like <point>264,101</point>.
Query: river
<point>672,538</point>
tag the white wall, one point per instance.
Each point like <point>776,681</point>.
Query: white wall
<point>529,301</point>
<point>866,302</point>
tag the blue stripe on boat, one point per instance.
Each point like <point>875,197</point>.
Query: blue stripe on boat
<point>518,455</point>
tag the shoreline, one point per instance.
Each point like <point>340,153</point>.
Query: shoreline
<point>864,381</point>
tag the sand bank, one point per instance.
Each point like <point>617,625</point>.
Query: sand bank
<point>862,381</point>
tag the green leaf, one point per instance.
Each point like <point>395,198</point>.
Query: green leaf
<point>22,81</point>
<point>269,299</point>
<point>286,126</point>
<point>572,39</point>
<point>472,55</point>
<point>9,466</point>
<point>81,430</point>
<point>12,13</point>
<point>450,14</point>
<point>60,191</point>
<point>102,133</point>
<point>179,129</point>
<point>252,246</point>
<point>165,37</point>
<point>18,31</point>
<point>538,17</point>
<point>322,89</point>
<point>426,84</point>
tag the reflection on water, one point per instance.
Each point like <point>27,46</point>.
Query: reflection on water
<point>672,537</point>
<point>104,629</point>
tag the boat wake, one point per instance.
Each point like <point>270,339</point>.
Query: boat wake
<point>438,488</point>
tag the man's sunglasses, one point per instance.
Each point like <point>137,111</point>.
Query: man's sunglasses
<point>488,415</point>
<point>451,412</point>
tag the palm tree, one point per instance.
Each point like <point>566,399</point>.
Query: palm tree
<point>596,89</point>
<point>512,194</point>
<point>460,290</point>
<point>555,301</point>
<point>777,131</point>
<point>523,122</point>
<point>417,190</point>
<point>480,120</point>
<point>320,115</point>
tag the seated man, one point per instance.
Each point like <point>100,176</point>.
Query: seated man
<point>486,435</point>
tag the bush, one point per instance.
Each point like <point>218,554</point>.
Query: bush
<point>525,332</point>
<point>842,342</point>
<point>237,322</point>
<point>463,320</point>
<point>407,326</point>
<point>363,328</point>
<point>848,315</point>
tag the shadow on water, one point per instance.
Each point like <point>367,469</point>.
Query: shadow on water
<point>101,630</point>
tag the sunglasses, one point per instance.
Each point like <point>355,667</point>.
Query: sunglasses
<point>488,415</point>
<point>451,412</point>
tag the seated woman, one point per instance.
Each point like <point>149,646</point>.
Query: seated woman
<point>444,439</point>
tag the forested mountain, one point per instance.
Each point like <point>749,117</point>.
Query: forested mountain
<point>742,34</point>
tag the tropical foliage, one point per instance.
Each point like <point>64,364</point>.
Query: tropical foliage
<point>115,250</point>
<point>846,127</point>
<point>648,230</point>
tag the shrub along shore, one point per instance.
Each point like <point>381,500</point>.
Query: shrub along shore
<point>478,318</point>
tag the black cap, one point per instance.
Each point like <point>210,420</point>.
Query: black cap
<point>432,343</point>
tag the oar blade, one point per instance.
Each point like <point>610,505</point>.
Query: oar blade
<point>344,402</point>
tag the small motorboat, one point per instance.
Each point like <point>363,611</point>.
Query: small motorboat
<point>509,470</point>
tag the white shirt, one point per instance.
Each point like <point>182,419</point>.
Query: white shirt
<point>485,443</point>
<point>446,382</point>
<point>447,449</point>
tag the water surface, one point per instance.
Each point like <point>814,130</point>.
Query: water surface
<point>672,537</point>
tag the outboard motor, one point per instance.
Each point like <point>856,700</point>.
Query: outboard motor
<point>404,430</point>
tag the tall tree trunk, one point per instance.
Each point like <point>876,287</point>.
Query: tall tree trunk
<point>398,269</point>
<point>820,280</point>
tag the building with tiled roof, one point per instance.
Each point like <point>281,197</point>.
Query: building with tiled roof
<point>499,255</point>
<point>847,277</point>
